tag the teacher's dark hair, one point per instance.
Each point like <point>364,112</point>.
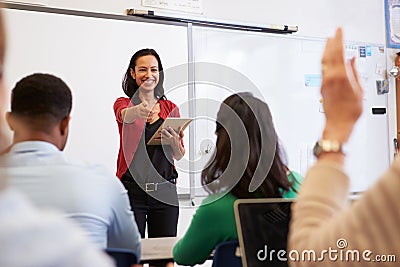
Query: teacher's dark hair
<point>255,115</point>
<point>129,84</point>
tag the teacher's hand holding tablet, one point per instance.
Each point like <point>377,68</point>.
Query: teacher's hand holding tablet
<point>171,137</point>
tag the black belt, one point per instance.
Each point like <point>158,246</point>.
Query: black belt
<point>149,186</point>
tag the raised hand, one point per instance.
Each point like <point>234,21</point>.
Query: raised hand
<point>341,91</point>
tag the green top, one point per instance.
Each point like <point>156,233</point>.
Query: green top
<point>214,223</point>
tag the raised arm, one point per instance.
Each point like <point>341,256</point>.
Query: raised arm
<point>322,221</point>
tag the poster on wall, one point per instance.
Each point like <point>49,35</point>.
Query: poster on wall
<point>29,2</point>
<point>392,17</point>
<point>191,6</point>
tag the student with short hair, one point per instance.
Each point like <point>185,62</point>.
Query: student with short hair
<point>37,166</point>
<point>29,237</point>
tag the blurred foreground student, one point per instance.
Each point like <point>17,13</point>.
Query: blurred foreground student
<point>36,166</point>
<point>367,232</point>
<point>29,237</point>
<point>247,164</point>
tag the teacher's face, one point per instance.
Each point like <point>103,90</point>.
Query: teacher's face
<point>146,73</point>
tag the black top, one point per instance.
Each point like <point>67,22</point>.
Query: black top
<point>152,163</point>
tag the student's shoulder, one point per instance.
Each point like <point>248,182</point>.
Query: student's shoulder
<point>218,203</point>
<point>38,231</point>
<point>296,180</point>
<point>101,172</point>
<point>92,172</point>
<point>295,177</point>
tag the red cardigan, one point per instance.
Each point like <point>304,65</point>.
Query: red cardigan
<point>130,133</point>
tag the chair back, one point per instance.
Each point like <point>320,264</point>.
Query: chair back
<point>263,226</point>
<point>227,254</point>
<point>122,257</point>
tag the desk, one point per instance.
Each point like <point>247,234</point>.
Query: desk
<point>158,248</point>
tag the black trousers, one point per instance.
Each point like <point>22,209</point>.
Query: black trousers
<point>158,210</point>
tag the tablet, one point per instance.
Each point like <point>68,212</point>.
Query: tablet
<point>174,123</point>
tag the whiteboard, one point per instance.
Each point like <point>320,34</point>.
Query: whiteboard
<point>91,55</point>
<point>285,72</point>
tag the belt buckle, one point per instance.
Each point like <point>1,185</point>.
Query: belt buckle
<point>150,187</point>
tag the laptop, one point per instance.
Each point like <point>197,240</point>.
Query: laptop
<point>263,226</point>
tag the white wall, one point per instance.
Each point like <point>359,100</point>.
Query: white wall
<point>362,20</point>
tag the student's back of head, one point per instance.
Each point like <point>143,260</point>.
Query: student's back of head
<point>40,108</point>
<point>41,97</point>
<point>248,159</point>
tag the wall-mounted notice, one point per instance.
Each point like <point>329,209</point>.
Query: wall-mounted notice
<point>392,15</point>
<point>192,6</point>
<point>29,2</point>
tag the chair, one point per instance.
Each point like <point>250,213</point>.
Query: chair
<point>122,257</point>
<point>226,254</point>
<point>271,218</point>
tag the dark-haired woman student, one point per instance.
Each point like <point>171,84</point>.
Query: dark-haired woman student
<point>247,157</point>
<point>147,171</point>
